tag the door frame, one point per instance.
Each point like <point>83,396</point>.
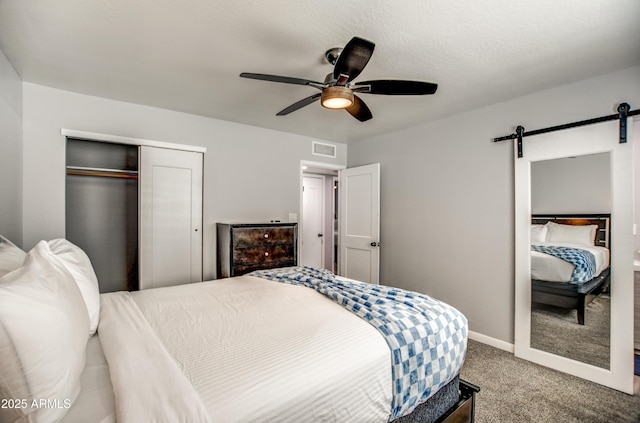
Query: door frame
<point>319,165</point>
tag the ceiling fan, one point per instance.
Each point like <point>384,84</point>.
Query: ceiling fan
<point>338,89</point>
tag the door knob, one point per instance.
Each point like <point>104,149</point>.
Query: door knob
<point>375,244</point>
<point>319,235</point>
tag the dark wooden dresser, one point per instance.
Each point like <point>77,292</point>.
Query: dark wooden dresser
<point>245,247</point>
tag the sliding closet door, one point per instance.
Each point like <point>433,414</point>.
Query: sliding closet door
<point>170,217</point>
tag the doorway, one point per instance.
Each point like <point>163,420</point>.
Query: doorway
<point>351,237</point>
<point>320,218</point>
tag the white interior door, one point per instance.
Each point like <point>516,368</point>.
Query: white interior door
<point>170,217</point>
<point>313,221</point>
<point>359,222</point>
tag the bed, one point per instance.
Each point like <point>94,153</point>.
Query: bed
<point>259,347</point>
<point>555,281</point>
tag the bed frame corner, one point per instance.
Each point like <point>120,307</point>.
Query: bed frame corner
<point>465,409</point>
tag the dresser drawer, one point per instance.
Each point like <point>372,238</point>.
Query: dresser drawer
<point>243,269</point>
<point>262,235</point>
<point>263,253</point>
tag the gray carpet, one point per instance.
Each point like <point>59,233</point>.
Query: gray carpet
<point>515,390</point>
<point>557,331</point>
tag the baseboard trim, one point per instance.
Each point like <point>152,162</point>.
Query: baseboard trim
<point>493,342</point>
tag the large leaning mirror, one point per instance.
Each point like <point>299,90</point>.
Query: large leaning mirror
<point>574,311</point>
<point>570,257</point>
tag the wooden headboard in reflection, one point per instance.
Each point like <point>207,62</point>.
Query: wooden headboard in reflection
<point>603,234</point>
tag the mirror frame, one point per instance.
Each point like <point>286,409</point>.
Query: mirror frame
<point>592,139</point>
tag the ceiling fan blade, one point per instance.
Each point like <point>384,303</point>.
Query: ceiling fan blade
<point>359,110</point>
<point>277,78</point>
<point>395,87</point>
<point>300,104</point>
<point>353,58</point>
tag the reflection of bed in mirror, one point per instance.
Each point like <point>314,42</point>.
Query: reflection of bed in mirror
<point>556,282</point>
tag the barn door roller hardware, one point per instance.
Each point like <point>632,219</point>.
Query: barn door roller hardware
<point>624,111</point>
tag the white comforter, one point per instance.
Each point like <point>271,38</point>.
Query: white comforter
<point>242,350</point>
<point>553,269</point>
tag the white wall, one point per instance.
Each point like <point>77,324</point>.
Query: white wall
<point>579,185</point>
<point>10,152</point>
<point>447,196</point>
<point>250,174</point>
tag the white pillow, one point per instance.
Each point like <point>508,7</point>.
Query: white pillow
<point>538,233</point>
<point>79,265</point>
<point>43,338</point>
<point>11,257</point>
<point>573,234</point>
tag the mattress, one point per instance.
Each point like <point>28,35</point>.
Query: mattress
<point>256,350</point>
<point>252,349</point>
<point>545,267</point>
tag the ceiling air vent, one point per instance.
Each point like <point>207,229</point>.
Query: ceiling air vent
<point>322,149</point>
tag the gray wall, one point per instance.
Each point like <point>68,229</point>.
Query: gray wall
<point>10,152</point>
<point>250,173</point>
<point>447,196</point>
<point>572,185</point>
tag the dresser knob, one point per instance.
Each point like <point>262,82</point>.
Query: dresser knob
<point>266,254</point>
<point>266,236</point>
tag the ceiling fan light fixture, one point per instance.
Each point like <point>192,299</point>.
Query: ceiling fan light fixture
<point>337,97</point>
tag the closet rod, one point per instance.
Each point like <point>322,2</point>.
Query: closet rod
<point>623,113</point>
<point>103,172</point>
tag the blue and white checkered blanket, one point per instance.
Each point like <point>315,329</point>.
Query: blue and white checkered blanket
<point>583,260</point>
<point>427,338</point>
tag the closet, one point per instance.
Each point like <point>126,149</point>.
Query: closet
<point>136,210</point>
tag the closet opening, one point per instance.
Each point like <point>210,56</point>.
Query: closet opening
<point>101,213</point>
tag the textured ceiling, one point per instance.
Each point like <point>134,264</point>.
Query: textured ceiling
<point>186,55</point>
